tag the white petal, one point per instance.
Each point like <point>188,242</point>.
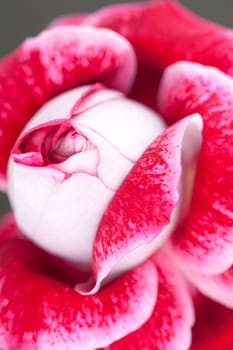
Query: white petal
<point>59,216</point>
<point>128,125</point>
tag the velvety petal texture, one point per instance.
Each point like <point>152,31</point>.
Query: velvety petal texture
<point>205,240</point>
<point>39,312</point>
<point>217,287</point>
<point>169,32</point>
<point>169,327</point>
<point>54,61</point>
<point>164,32</point>
<point>145,201</point>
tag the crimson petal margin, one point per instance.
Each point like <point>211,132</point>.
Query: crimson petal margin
<point>57,60</point>
<point>169,327</point>
<point>144,202</point>
<point>205,242</point>
<point>38,312</point>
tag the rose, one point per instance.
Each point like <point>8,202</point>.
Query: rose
<point>79,161</point>
<point>197,89</point>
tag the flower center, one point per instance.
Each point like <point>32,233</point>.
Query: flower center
<point>66,145</point>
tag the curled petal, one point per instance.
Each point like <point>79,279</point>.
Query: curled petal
<point>169,327</point>
<point>38,311</point>
<point>130,21</point>
<point>205,241</point>
<point>57,60</point>
<point>164,32</point>
<point>217,287</point>
<point>144,202</point>
<point>169,32</point>
<point>67,170</point>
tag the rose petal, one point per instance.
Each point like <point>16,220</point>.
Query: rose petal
<point>205,242</point>
<point>130,21</point>
<point>110,113</point>
<point>144,202</point>
<point>217,287</point>
<point>109,158</point>
<point>38,312</point>
<point>169,327</point>
<point>164,32</point>
<point>62,216</point>
<point>128,125</point>
<point>213,327</point>
<point>57,60</point>
<point>169,32</point>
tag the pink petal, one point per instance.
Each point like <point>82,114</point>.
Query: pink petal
<point>205,242</point>
<point>144,202</point>
<point>130,21</point>
<point>213,327</point>
<point>169,327</point>
<point>169,32</point>
<point>38,311</point>
<point>217,287</point>
<point>164,32</point>
<point>57,60</point>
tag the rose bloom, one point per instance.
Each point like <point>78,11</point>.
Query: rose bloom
<point>116,153</point>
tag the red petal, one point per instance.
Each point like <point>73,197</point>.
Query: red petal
<point>130,21</point>
<point>38,312</point>
<point>213,328</point>
<point>169,327</point>
<point>206,240</point>
<point>144,202</point>
<point>57,60</point>
<point>217,287</point>
<point>169,32</point>
<point>163,32</point>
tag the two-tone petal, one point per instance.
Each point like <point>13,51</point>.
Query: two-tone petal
<point>64,172</point>
<point>40,311</point>
<point>139,214</point>
<point>51,63</point>
<point>204,241</point>
<point>169,327</point>
<point>191,88</point>
<point>163,32</point>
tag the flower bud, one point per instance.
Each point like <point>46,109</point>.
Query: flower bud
<point>69,162</point>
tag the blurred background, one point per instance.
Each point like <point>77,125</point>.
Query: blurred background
<point>20,19</point>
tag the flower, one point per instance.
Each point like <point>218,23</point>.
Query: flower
<point>79,162</point>
<point>179,180</point>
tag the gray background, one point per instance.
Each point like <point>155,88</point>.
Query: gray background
<point>22,18</point>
